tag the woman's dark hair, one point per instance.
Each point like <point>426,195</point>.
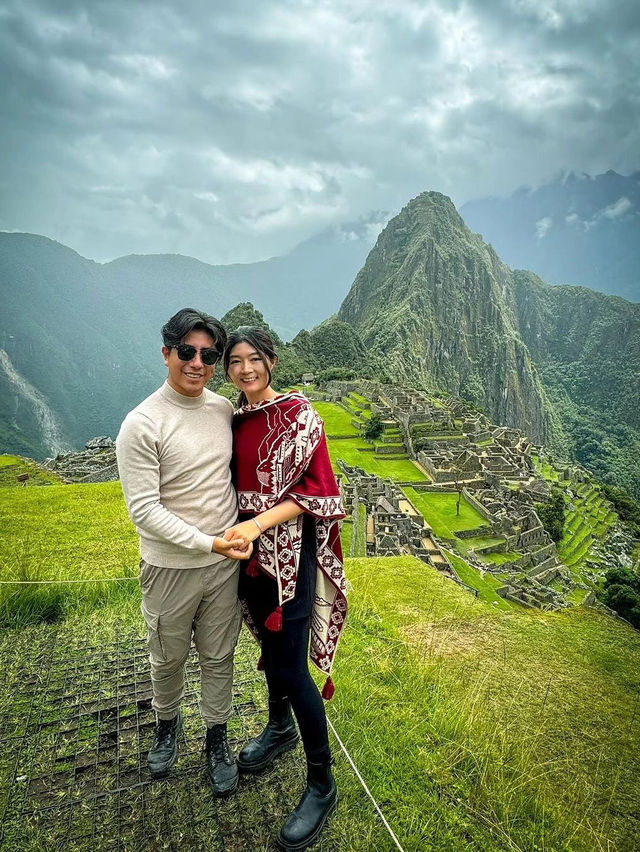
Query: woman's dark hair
<point>187,320</point>
<point>260,340</point>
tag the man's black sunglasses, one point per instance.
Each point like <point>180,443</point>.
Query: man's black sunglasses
<point>210,356</point>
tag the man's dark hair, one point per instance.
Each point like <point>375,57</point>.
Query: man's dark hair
<point>187,320</point>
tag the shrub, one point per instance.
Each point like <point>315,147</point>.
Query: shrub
<point>622,593</point>
<point>374,427</point>
<point>552,514</point>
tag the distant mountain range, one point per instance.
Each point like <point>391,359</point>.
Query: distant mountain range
<point>433,306</point>
<point>575,230</point>
<point>80,341</point>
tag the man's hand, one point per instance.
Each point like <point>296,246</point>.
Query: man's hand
<point>233,547</point>
<point>245,531</point>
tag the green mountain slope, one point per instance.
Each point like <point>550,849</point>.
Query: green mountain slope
<point>436,304</point>
<point>587,348</point>
<point>442,311</point>
<point>73,356</point>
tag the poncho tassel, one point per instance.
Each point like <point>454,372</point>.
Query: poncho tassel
<point>274,622</point>
<point>328,689</point>
<point>252,570</point>
<point>260,664</point>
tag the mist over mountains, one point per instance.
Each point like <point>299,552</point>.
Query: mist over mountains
<point>574,230</point>
<point>432,306</point>
<point>80,341</point>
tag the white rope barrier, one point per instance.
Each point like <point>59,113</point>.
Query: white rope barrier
<point>364,784</point>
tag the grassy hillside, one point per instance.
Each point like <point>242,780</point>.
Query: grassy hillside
<point>476,723</point>
<point>475,728</point>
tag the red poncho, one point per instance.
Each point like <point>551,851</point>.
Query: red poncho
<point>280,453</point>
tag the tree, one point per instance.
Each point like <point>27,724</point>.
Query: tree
<point>552,514</point>
<point>374,427</point>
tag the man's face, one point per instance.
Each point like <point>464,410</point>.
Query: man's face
<point>189,377</point>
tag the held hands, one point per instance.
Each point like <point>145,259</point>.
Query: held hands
<point>245,531</point>
<point>232,546</point>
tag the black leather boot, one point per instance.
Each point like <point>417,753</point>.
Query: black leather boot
<point>318,802</point>
<point>280,735</point>
<point>164,751</point>
<point>221,765</point>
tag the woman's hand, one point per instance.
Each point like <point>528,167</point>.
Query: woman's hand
<point>233,547</point>
<point>245,531</point>
<point>249,531</point>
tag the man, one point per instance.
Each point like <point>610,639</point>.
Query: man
<point>174,452</point>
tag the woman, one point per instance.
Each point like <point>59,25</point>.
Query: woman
<point>294,585</point>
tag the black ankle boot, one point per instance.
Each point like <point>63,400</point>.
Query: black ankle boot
<point>280,735</point>
<point>318,802</point>
<point>221,765</point>
<point>164,751</point>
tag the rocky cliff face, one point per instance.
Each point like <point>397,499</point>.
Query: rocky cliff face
<point>437,305</point>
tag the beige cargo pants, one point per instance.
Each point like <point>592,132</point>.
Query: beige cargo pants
<point>178,603</point>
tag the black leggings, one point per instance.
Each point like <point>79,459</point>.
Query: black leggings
<point>285,653</point>
<point>285,665</point>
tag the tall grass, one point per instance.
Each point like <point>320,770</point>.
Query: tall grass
<point>23,603</point>
<point>484,729</point>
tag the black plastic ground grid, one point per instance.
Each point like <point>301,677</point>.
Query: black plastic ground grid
<point>75,741</point>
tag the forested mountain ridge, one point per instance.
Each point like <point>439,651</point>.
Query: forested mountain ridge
<point>437,305</point>
<point>586,346</point>
<point>442,311</point>
<point>72,356</point>
<point>80,341</point>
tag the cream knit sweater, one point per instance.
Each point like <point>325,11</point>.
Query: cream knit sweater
<point>173,454</point>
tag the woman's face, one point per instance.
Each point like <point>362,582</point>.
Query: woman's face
<point>248,371</point>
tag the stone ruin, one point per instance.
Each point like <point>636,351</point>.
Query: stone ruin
<point>493,468</point>
<point>96,463</point>
<point>394,526</point>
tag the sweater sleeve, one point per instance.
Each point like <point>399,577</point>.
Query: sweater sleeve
<point>139,469</point>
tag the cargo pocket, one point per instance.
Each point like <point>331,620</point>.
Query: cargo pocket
<point>154,640</point>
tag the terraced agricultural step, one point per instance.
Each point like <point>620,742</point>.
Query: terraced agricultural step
<point>389,449</point>
<point>577,553</point>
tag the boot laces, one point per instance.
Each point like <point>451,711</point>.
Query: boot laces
<point>164,731</point>
<point>218,745</point>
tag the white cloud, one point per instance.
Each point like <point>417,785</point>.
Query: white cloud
<point>617,209</point>
<point>542,226</point>
<point>231,131</point>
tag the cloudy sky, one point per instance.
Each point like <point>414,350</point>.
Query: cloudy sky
<point>232,130</point>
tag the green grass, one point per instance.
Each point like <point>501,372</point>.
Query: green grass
<point>589,520</point>
<point>337,421</point>
<point>355,451</point>
<point>439,511</point>
<point>481,541</point>
<point>486,585</point>
<point>361,530</point>
<point>359,398</point>
<point>499,558</point>
<point>345,536</point>
<point>476,726</point>
<point>65,532</point>
<point>11,467</point>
